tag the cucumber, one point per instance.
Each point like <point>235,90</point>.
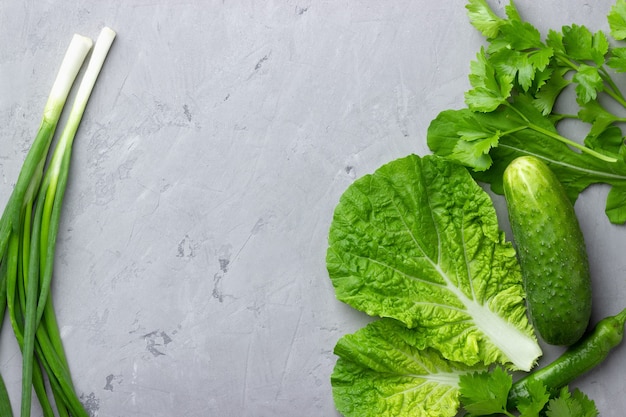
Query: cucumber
<point>551,251</point>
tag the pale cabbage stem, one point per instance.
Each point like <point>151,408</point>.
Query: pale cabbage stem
<point>517,346</point>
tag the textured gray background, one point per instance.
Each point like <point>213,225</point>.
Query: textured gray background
<point>190,274</point>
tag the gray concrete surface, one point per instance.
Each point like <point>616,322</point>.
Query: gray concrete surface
<point>190,274</point>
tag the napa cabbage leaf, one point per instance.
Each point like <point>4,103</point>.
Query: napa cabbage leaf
<point>381,373</point>
<point>419,241</point>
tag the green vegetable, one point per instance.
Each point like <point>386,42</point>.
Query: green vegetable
<point>515,82</point>
<point>382,373</point>
<point>485,393</point>
<point>568,404</point>
<point>590,351</point>
<point>419,241</point>
<point>551,251</point>
<point>28,229</point>
<point>11,224</point>
<point>5,404</point>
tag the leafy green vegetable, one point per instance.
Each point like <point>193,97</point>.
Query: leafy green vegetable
<point>536,401</point>
<point>576,171</point>
<point>381,373</point>
<point>419,241</point>
<point>18,211</point>
<point>617,20</point>
<point>569,404</point>
<point>485,20</point>
<point>28,230</point>
<point>490,88</point>
<point>516,81</point>
<point>485,393</point>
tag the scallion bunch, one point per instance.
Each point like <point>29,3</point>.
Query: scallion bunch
<point>28,231</point>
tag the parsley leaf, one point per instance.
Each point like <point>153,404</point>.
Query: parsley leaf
<point>555,41</point>
<point>485,393</point>
<point>547,94</point>
<point>581,45</point>
<point>490,88</point>
<point>511,12</point>
<point>483,18</point>
<point>600,119</point>
<point>617,61</point>
<point>571,405</point>
<point>519,53</point>
<point>520,35</point>
<point>617,20</point>
<point>616,204</point>
<point>588,405</point>
<point>475,144</point>
<point>589,83</point>
<point>539,397</point>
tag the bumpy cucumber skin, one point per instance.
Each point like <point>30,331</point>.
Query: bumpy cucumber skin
<point>551,250</point>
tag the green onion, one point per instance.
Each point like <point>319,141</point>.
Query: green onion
<point>28,231</point>
<point>31,170</point>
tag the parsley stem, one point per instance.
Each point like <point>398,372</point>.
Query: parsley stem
<point>561,116</point>
<point>558,137</point>
<point>566,61</point>
<point>571,143</point>
<point>614,91</point>
<point>514,130</point>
